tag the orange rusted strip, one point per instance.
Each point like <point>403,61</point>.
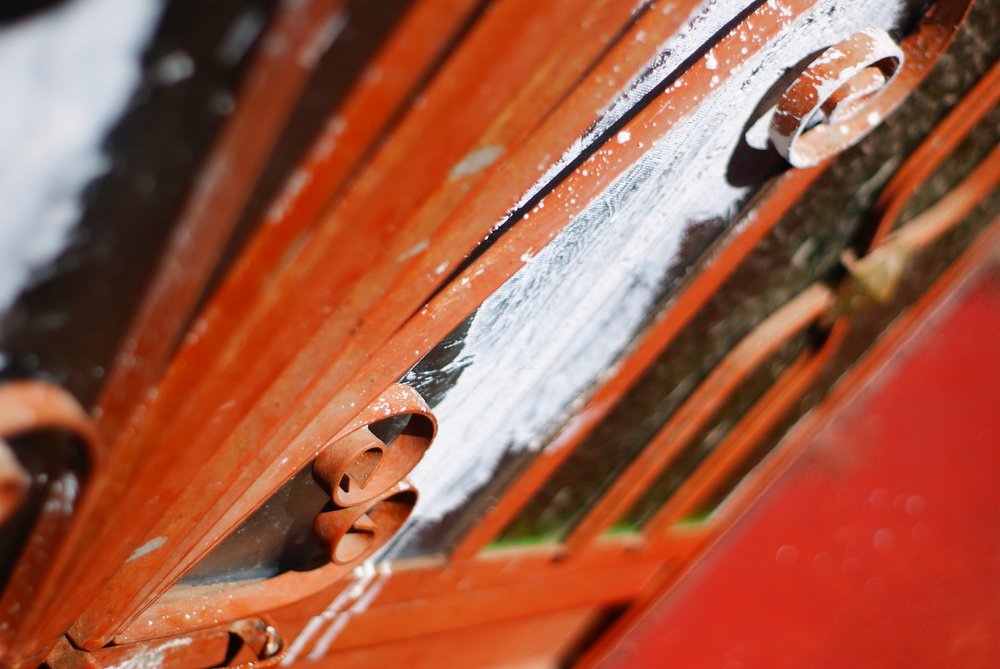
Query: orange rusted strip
<point>942,141</point>
<point>187,607</point>
<point>987,244</point>
<point>273,350</point>
<point>251,643</point>
<point>742,439</point>
<point>527,237</point>
<point>466,226</point>
<point>921,164</point>
<point>944,214</point>
<point>348,136</point>
<point>916,235</point>
<point>768,411</point>
<point>201,428</point>
<point>36,405</point>
<point>257,479</point>
<point>277,75</point>
<point>415,585</point>
<point>745,358</point>
<point>404,61</point>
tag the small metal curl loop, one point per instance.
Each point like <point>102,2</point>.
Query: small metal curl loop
<point>820,114</point>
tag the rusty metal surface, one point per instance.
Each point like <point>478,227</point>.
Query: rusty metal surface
<point>956,147</point>
<point>251,643</point>
<point>351,528</point>
<point>293,362</point>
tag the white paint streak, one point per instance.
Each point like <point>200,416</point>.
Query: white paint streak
<point>360,605</point>
<point>537,345</point>
<point>67,75</point>
<point>703,22</point>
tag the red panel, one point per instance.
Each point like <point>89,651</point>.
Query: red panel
<point>880,547</point>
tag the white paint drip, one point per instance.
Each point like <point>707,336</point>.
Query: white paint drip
<point>352,600</point>
<point>67,75</point>
<point>360,605</point>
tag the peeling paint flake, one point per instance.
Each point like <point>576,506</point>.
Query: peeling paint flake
<point>147,547</point>
<point>476,161</point>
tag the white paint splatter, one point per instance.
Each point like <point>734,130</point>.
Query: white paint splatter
<point>705,21</point>
<point>414,250</point>
<point>710,62</point>
<point>173,68</point>
<point>152,658</point>
<point>293,187</point>
<point>360,605</point>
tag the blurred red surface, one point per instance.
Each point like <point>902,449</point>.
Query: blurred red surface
<point>880,546</point>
